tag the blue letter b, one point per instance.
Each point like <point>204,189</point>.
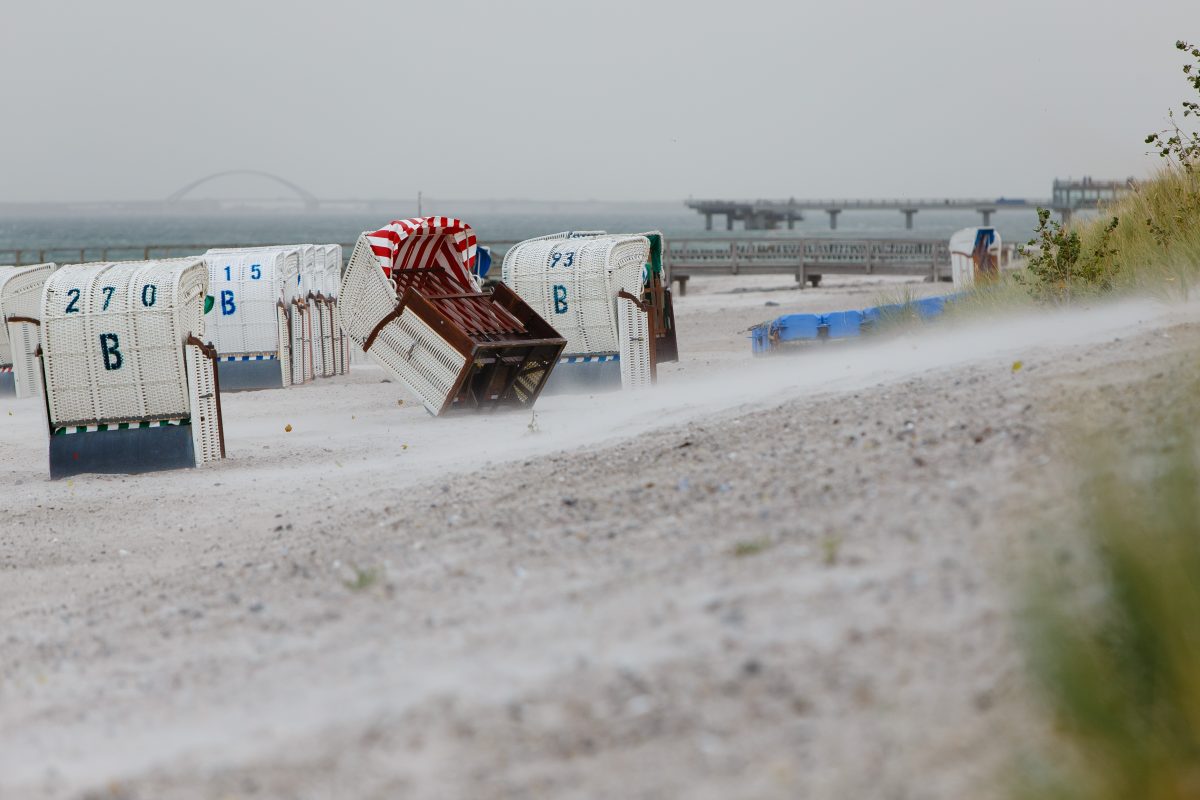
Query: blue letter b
<point>112,356</point>
<point>560,299</point>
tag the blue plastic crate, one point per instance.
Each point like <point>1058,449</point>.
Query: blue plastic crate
<point>844,324</point>
<point>798,326</point>
<point>930,306</point>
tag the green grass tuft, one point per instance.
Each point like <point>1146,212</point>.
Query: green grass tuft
<point>751,547</point>
<point>363,579</point>
<point>1114,638</point>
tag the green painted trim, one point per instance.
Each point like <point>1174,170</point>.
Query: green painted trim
<point>121,426</point>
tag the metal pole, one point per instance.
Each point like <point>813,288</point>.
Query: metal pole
<point>802,273</point>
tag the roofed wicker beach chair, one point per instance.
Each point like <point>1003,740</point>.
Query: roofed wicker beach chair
<point>974,257</point>
<point>20,310</point>
<point>594,287</point>
<point>129,384</point>
<point>315,344</point>
<point>250,320</point>
<point>410,301</point>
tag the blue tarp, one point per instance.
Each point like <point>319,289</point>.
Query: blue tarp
<point>838,324</point>
<point>483,261</point>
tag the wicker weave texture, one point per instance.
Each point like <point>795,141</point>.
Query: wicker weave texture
<point>316,310</point>
<point>336,361</point>
<point>112,336</point>
<point>634,326</point>
<point>366,295</point>
<point>573,282</point>
<point>20,296</point>
<point>246,287</point>
<point>283,331</point>
<point>24,336</point>
<point>328,367</point>
<point>308,270</point>
<point>419,358</point>
<point>307,317</point>
<point>202,388</point>
<point>346,342</point>
<point>339,341</point>
<point>289,269</point>
<point>296,326</point>
<point>332,273</point>
<point>406,347</point>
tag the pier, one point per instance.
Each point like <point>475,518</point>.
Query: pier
<point>1068,196</point>
<point>809,258</point>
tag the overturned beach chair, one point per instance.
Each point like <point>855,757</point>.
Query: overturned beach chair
<point>592,286</point>
<point>974,257</point>
<point>250,319</point>
<point>20,310</point>
<point>410,301</point>
<point>129,384</point>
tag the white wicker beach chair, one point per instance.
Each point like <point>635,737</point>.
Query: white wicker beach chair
<point>310,296</point>
<point>20,309</point>
<point>409,299</point>
<point>130,385</point>
<point>590,285</point>
<point>249,321</point>
<point>974,256</point>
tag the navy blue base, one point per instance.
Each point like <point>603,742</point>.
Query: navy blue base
<point>237,376</point>
<point>120,452</point>
<point>584,377</point>
<point>8,384</point>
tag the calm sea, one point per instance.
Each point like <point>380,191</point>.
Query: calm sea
<point>66,232</point>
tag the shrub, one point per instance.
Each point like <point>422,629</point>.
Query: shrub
<point>1060,266</point>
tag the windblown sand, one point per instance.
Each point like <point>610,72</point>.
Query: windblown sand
<point>776,577</point>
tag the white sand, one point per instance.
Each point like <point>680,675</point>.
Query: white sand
<point>559,613</point>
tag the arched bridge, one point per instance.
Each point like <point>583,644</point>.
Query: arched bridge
<point>310,200</point>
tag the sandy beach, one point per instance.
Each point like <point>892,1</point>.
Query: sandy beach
<point>774,577</point>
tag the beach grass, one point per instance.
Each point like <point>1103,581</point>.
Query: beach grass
<point>1158,239</point>
<point>1112,630</point>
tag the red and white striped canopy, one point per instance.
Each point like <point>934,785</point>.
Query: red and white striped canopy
<point>427,242</point>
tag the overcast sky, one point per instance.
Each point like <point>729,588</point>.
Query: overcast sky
<point>649,100</point>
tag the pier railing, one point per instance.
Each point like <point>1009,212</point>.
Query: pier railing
<point>809,258</point>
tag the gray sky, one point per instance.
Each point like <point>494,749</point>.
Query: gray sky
<point>132,99</point>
